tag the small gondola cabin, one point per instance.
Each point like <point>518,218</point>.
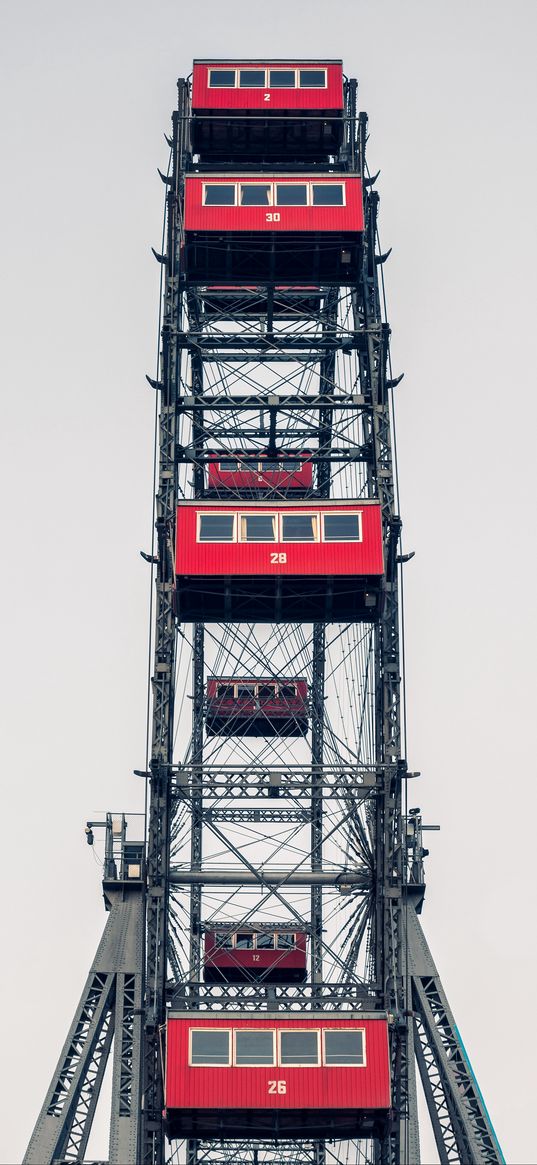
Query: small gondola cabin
<point>249,955</point>
<point>314,1075</point>
<point>293,474</point>
<point>286,562</point>
<point>256,707</point>
<point>271,109</point>
<point>289,228</point>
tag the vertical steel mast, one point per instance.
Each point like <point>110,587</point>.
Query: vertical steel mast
<point>267,830</point>
<point>163,682</point>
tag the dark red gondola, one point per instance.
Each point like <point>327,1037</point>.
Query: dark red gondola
<point>310,1076</point>
<point>293,474</point>
<point>290,561</point>
<point>250,955</point>
<point>256,707</point>
<point>269,109</point>
<point>287,228</point>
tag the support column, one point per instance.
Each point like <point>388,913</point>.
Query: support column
<point>110,1007</point>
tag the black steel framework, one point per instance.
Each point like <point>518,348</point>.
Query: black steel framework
<point>309,832</point>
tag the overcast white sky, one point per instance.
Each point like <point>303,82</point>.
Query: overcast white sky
<point>87,93</point>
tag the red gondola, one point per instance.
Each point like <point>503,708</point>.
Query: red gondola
<point>256,707</point>
<point>275,109</point>
<point>288,228</point>
<point>313,1075</point>
<point>286,562</point>
<point>246,955</point>
<point>283,473</point>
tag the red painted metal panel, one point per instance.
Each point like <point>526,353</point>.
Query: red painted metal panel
<point>321,1087</point>
<point>205,98</point>
<point>347,219</point>
<point>249,478</point>
<point>257,558</point>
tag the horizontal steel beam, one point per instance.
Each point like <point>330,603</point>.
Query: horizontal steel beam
<point>215,782</point>
<point>339,879</point>
<point>189,454</point>
<point>203,342</point>
<point>267,816</point>
<point>285,119</point>
<point>272,400</point>
<point>234,433</point>
<point>260,357</point>
<point>292,997</point>
<point>197,284</point>
<point>231,925</point>
<point>354,773</point>
<point>264,791</point>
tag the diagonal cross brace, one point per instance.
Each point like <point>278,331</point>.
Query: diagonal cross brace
<point>53,1127</point>
<point>461,1124</point>
<point>110,1004</point>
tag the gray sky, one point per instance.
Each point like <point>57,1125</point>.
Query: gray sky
<point>88,92</point>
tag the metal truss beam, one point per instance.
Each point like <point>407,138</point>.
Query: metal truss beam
<point>264,1153</point>
<point>462,1127</point>
<point>298,997</point>
<point>251,456</point>
<point>260,357</point>
<point>110,1008</point>
<point>297,403</point>
<point>217,344</point>
<point>267,816</point>
<point>293,780</point>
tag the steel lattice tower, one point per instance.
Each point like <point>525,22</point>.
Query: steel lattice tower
<point>308,831</point>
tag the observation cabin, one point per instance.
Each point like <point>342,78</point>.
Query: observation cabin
<point>312,1076</point>
<point>273,110</point>
<point>256,707</point>
<point>286,562</point>
<point>244,228</point>
<point>267,954</point>
<point>269,474</point>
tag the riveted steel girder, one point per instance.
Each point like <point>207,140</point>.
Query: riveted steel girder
<point>110,1010</point>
